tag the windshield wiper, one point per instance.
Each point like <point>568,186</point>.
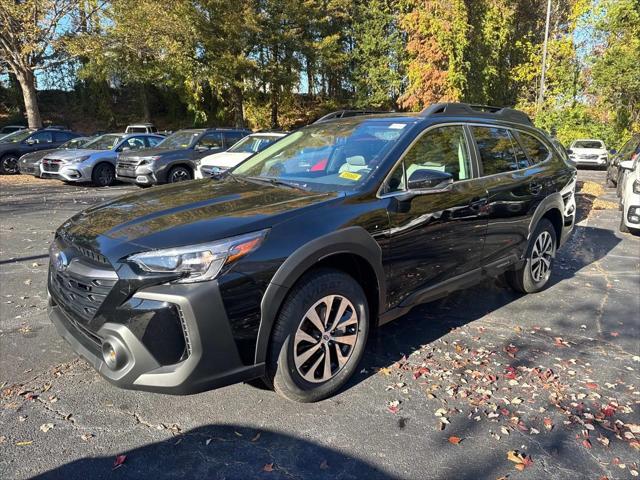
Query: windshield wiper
<point>277,181</point>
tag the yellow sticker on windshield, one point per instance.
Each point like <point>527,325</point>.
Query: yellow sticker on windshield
<point>350,176</point>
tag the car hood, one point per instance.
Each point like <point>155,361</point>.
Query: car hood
<point>75,153</point>
<point>589,151</point>
<point>191,212</point>
<point>152,152</point>
<point>35,157</point>
<point>225,159</point>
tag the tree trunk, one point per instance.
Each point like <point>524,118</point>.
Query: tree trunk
<point>144,99</point>
<point>237,99</point>
<point>27,82</point>
<point>274,106</point>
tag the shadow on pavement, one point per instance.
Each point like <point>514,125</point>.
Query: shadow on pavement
<point>224,452</point>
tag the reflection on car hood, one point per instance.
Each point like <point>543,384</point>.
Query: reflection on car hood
<point>224,159</point>
<point>191,212</point>
<point>35,157</point>
<point>75,153</point>
<point>152,152</point>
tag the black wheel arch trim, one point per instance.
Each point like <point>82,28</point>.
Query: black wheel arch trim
<point>550,202</point>
<point>351,240</point>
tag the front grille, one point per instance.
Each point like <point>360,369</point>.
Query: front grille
<point>49,165</point>
<point>589,157</point>
<point>78,294</point>
<point>128,163</point>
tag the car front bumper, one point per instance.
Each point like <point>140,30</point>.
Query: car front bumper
<point>590,162</point>
<point>30,169</point>
<point>123,355</point>
<point>140,175</point>
<point>69,172</point>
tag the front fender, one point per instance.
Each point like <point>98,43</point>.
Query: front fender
<point>352,240</point>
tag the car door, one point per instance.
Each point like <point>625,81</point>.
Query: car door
<point>208,144</point>
<point>40,140</point>
<point>436,235</point>
<point>515,185</point>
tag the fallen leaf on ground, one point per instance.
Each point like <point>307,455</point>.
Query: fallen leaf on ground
<point>385,371</point>
<point>45,427</point>
<point>119,461</point>
<point>455,440</point>
<point>24,443</point>
<point>256,438</point>
<point>268,467</point>
<point>520,459</point>
<point>586,443</point>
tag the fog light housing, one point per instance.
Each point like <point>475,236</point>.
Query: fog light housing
<point>142,179</point>
<point>114,354</point>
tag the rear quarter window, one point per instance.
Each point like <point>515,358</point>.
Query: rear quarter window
<point>535,149</point>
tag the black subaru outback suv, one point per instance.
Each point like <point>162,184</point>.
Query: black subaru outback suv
<point>280,269</point>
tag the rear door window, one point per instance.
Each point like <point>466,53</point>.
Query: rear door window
<point>211,141</point>
<point>42,137</point>
<point>62,136</point>
<point>496,147</point>
<point>153,141</point>
<point>536,150</point>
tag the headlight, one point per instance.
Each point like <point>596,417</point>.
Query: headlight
<point>148,160</point>
<point>636,186</point>
<point>197,263</point>
<point>78,159</point>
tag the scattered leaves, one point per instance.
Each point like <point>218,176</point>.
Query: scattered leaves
<point>119,461</point>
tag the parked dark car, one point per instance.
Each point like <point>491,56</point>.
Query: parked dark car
<point>278,270</point>
<point>629,151</point>
<point>7,129</point>
<point>16,144</point>
<point>346,114</point>
<point>176,158</point>
<point>29,163</point>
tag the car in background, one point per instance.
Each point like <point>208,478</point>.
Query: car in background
<point>279,272</point>
<point>28,140</point>
<point>176,158</point>
<point>29,163</point>
<point>220,162</point>
<point>95,162</point>
<point>588,153</point>
<point>7,129</point>
<point>629,151</point>
<point>141,128</point>
<point>630,195</point>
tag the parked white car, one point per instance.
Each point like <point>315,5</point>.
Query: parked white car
<point>589,152</point>
<point>239,151</point>
<point>630,196</point>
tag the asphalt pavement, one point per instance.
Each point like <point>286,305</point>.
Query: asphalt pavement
<point>485,383</point>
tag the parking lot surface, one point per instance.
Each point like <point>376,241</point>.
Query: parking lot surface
<point>485,383</point>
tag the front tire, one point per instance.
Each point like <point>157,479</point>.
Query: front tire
<point>534,275</point>
<point>9,165</point>
<point>319,336</point>
<point>179,174</point>
<point>103,175</point>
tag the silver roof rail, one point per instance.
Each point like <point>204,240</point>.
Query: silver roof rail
<point>485,111</point>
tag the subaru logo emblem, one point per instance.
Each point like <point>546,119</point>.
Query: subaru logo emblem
<point>60,261</point>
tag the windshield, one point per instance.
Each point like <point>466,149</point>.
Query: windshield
<point>181,139</point>
<point>18,136</point>
<point>253,144</point>
<point>74,143</point>
<point>588,144</point>
<point>104,142</point>
<point>332,156</point>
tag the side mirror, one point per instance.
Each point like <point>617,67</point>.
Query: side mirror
<point>30,141</point>
<point>569,151</point>
<point>424,179</point>
<point>627,164</point>
<point>201,148</point>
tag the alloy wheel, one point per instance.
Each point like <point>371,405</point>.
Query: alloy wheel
<point>541,256</point>
<point>9,165</point>
<point>325,338</point>
<point>105,176</point>
<point>180,175</point>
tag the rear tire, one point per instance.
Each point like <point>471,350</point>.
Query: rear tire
<point>319,336</point>
<point>9,165</point>
<point>103,175</point>
<point>534,275</point>
<point>179,174</point>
